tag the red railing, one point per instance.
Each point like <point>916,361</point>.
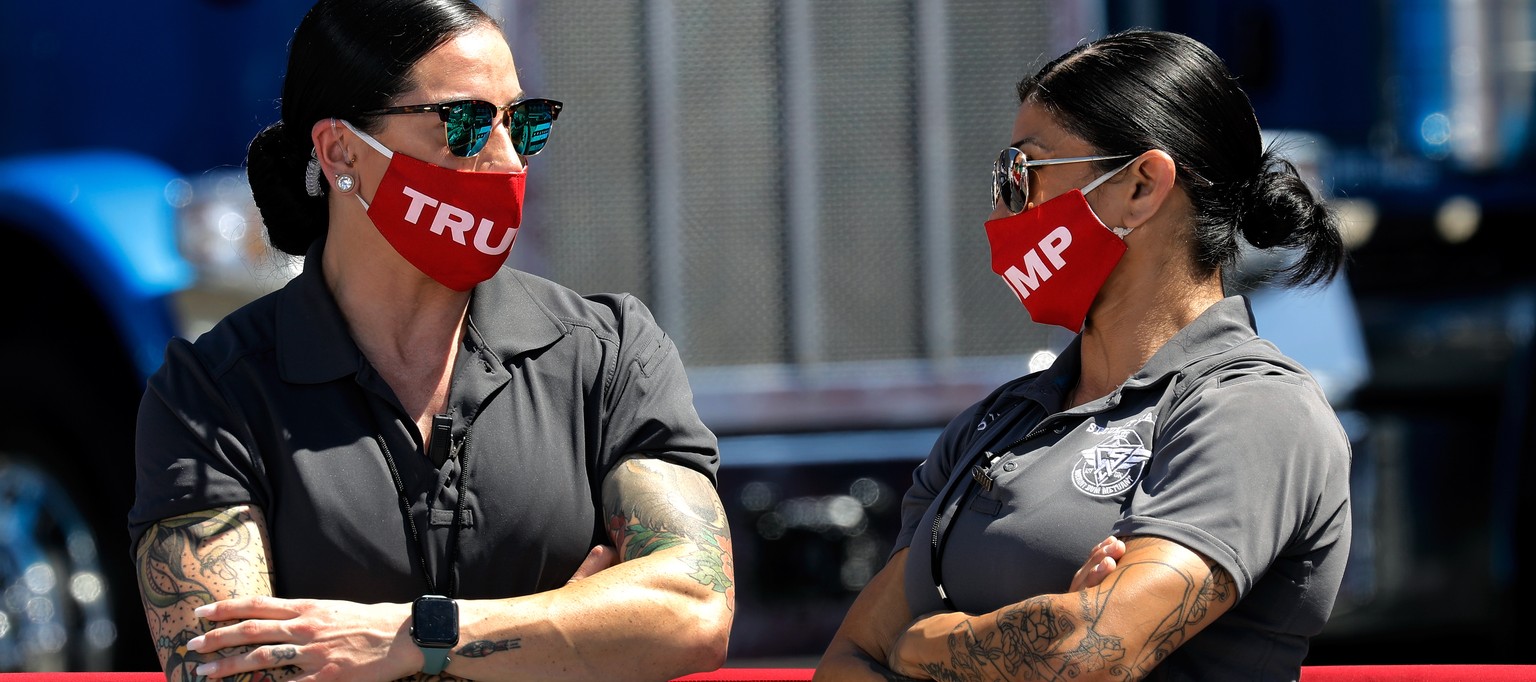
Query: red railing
<point>1338,673</point>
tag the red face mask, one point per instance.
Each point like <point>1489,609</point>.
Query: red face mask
<point>455,226</point>
<point>1055,257</point>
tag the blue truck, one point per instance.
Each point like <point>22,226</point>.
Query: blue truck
<point>109,178</point>
<point>125,220</point>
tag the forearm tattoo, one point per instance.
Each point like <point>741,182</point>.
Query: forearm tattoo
<point>187,561</point>
<point>1038,639</point>
<point>655,506</point>
<point>484,647</point>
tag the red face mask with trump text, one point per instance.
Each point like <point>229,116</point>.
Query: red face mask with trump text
<point>457,227</point>
<point>1055,257</point>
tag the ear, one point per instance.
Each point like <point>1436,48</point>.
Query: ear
<point>1152,177</point>
<point>330,140</point>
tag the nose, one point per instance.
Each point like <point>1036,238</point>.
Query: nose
<point>499,155</point>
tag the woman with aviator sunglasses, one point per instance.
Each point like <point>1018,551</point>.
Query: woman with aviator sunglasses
<point>411,460</point>
<point>1213,463</point>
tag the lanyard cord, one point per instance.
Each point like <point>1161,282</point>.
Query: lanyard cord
<point>410,521</point>
<point>945,516</point>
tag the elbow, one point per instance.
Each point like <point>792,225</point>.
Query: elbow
<point>715,631</point>
<point>710,638</point>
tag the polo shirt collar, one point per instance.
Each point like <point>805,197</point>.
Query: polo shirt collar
<point>509,318</point>
<point>1223,326</point>
<point>314,344</point>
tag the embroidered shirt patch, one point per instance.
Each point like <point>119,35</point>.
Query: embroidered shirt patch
<point>1112,466</point>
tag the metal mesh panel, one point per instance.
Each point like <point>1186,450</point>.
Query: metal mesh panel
<point>587,192</point>
<point>993,43</point>
<point>729,191</point>
<point>593,226</point>
<point>870,273</point>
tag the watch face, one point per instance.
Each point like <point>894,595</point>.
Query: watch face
<point>435,621</point>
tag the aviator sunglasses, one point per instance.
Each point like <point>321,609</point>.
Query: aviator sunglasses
<point>1010,175</point>
<point>467,123</point>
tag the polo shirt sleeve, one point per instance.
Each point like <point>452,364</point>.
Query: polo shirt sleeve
<point>929,477</point>
<point>649,403</point>
<point>189,453</point>
<point>1242,469</point>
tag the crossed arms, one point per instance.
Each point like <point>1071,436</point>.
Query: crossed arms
<point>661,608</point>
<point>1112,624</point>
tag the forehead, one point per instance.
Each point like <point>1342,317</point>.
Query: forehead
<point>474,64</point>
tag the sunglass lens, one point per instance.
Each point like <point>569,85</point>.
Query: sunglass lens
<point>469,126</point>
<point>1010,180</point>
<point>530,124</point>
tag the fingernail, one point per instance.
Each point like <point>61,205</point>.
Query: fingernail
<point>196,644</point>
<point>204,669</point>
<point>203,611</point>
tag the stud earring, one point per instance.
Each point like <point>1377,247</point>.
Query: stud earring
<point>312,185</point>
<point>345,182</point>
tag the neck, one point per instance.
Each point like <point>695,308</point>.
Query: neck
<point>1130,322</point>
<point>406,324</point>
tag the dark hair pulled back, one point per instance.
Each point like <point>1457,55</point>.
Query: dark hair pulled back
<point>346,56</point>
<point>1137,90</point>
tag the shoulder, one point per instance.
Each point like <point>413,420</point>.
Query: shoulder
<point>1258,395</point>
<point>607,314</point>
<point>247,331</point>
<point>1255,360</point>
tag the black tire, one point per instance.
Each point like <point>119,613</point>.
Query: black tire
<point>69,397</point>
<point>55,605</point>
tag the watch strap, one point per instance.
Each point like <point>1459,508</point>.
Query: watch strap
<point>436,659</point>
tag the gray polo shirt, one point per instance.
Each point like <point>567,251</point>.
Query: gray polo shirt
<point>277,407</point>
<point>1219,443</point>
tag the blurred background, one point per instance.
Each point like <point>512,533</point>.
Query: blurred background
<point>797,189</point>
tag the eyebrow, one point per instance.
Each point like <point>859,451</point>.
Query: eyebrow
<point>1027,139</point>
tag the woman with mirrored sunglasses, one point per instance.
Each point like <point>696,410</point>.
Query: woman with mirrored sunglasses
<point>1200,471</point>
<point>412,460</point>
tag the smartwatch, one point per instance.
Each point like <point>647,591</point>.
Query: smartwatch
<point>435,629</point>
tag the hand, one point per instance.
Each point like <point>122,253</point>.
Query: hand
<point>1101,561</point>
<point>355,641</point>
<point>926,639</point>
<point>600,558</point>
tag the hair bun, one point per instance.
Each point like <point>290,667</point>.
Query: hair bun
<point>275,166</point>
<point>1283,212</point>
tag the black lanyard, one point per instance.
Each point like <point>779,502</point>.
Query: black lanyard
<point>410,521</point>
<point>965,479</point>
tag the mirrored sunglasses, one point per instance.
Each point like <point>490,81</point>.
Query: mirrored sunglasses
<point>1010,175</point>
<point>467,123</point>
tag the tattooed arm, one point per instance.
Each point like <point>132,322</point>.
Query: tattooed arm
<point>1160,594</point>
<point>665,610</point>
<point>861,647</point>
<point>187,561</point>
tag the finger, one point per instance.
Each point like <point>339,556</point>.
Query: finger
<point>242,633</point>
<point>1097,573</point>
<point>270,608</point>
<point>1093,575</point>
<point>601,557</point>
<point>260,658</point>
<point>1114,547</point>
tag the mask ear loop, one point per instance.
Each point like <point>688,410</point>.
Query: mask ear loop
<point>1120,232</point>
<point>1098,181</point>
<point>377,146</point>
